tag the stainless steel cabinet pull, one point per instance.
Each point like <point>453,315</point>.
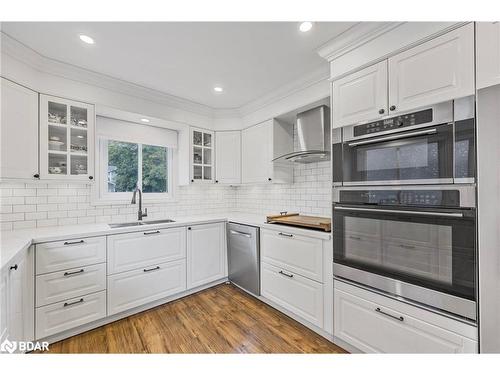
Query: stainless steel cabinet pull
<point>423,213</point>
<point>393,137</point>
<point>400,318</point>
<point>66,304</point>
<point>285,274</point>
<point>155,232</point>
<point>73,273</point>
<point>74,242</point>
<point>240,233</point>
<point>151,269</point>
<point>285,234</point>
<point>355,238</point>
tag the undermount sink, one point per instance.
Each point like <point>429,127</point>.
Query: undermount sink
<point>137,223</point>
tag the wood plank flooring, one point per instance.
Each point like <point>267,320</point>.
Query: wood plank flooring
<point>222,319</point>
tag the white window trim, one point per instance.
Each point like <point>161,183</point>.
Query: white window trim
<point>100,195</point>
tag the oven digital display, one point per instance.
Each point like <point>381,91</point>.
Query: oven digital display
<point>410,119</point>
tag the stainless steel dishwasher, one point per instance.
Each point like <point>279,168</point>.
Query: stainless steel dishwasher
<point>244,257</point>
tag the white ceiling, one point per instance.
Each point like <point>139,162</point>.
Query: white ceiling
<point>187,59</point>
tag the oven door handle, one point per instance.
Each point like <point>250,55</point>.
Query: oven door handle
<point>393,137</point>
<point>424,213</point>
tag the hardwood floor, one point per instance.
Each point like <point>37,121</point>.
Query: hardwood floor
<point>222,319</point>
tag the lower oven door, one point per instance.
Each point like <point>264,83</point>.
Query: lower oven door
<point>425,256</point>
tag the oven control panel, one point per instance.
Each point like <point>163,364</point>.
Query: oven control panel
<point>409,119</point>
<point>421,198</point>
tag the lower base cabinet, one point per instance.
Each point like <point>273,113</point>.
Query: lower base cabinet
<point>61,316</point>
<point>130,289</point>
<point>377,324</point>
<point>298,294</point>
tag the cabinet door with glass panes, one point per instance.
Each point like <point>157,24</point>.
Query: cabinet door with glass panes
<point>66,139</point>
<point>202,155</point>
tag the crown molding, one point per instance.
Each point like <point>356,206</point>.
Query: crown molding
<point>354,37</point>
<point>43,64</point>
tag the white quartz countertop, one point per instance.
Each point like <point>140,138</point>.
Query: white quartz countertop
<point>13,242</point>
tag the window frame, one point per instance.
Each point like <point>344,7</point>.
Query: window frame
<point>102,195</point>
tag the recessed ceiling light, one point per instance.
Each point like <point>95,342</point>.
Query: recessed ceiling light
<point>144,120</point>
<point>87,39</point>
<point>218,89</point>
<point>305,26</point>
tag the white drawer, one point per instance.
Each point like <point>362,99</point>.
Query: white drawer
<point>138,287</point>
<point>61,285</point>
<point>377,324</point>
<point>140,249</point>
<point>63,255</point>
<point>61,316</point>
<point>300,254</point>
<point>295,293</point>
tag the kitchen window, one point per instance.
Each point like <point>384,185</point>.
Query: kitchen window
<point>133,155</point>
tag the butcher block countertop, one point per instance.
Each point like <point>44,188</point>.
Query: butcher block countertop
<point>304,221</point>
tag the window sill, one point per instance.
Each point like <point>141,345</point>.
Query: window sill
<point>145,200</point>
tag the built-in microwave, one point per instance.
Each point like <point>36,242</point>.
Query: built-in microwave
<point>434,145</point>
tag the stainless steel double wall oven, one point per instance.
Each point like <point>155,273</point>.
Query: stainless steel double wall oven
<point>404,206</point>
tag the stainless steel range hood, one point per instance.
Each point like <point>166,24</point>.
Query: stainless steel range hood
<point>313,133</point>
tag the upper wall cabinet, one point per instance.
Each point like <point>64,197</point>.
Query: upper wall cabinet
<point>66,139</point>
<point>436,71</point>
<point>487,54</point>
<point>361,96</point>
<point>19,131</point>
<point>228,157</point>
<point>202,155</point>
<point>262,143</point>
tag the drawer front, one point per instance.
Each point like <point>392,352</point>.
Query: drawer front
<point>71,313</point>
<point>378,325</point>
<point>138,287</point>
<point>297,294</point>
<point>300,254</point>
<point>141,249</point>
<point>63,255</point>
<point>62,285</point>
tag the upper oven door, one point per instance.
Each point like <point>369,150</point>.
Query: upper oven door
<point>419,156</point>
<point>431,248</point>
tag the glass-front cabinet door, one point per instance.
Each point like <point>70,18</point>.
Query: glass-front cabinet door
<point>66,139</point>
<point>202,155</point>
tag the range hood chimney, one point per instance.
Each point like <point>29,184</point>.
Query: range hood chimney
<point>313,133</point>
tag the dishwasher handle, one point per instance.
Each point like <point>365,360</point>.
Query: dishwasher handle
<point>238,233</point>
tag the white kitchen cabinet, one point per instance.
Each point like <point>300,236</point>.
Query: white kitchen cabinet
<point>67,131</point>
<point>299,254</point>
<point>206,254</point>
<point>436,71</point>
<point>262,143</point>
<point>18,131</point>
<point>61,316</point>
<point>64,255</point>
<point>487,54</point>
<point>377,324</point>
<point>155,246</point>
<point>202,156</point>
<point>228,157</point>
<point>361,96</point>
<point>298,294</point>
<point>16,298</point>
<point>134,288</point>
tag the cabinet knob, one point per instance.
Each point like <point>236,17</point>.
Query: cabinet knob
<point>392,107</point>
<point>189,228</point>
<point>216,181</point>
<point>91,177</point>
<point>269,179</point>
<point>36,175</point>
<point>192,180</point>
<point>14,267</point>
<point>381,111</point>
